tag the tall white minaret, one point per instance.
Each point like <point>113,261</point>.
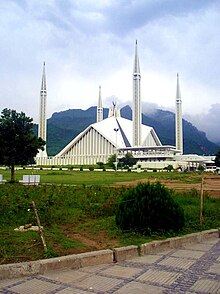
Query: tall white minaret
<point>99,107</point>
<point>179,124</point>
<point>42,126</point>
<point>137,109</point>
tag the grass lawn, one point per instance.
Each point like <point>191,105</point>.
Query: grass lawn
<point>70,177</point>
<point>81,218</point>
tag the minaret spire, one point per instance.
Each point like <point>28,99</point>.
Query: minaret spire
<point>137,109</point>
<point>179,128</point>
<point>42,126</point>
<point>99,107</point>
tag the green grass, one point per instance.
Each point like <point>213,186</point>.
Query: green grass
<point>100,178</point>
<point>86,211</point>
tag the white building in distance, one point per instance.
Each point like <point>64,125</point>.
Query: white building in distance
<point>117,135</point>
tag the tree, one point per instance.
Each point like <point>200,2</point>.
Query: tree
<point>201,168</point>
<point>112,160</point>
<point>18,143</point>
<point>169,168</point>
<point>100,164</point>
<point>129,160</point>
<point>217,158</point>
<point>149,208</point>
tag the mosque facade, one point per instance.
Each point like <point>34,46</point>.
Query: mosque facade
<point>117,135</point>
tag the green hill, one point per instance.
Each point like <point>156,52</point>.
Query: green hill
<point>65,125</point>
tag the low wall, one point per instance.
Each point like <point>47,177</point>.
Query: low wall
<point>77,261</point>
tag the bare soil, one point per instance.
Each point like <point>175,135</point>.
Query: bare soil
<point>92,243</point>
<point>211,185</point>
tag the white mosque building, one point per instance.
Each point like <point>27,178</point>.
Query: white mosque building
<point>117,135</point>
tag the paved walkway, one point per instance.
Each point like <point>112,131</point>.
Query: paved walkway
<point>192,269</point>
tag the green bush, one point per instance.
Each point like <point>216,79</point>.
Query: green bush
<point>149,208</point>
<point>91,168</point>
<point>100,164</point>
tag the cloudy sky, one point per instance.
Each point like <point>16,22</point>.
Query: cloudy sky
<point>87,43</point>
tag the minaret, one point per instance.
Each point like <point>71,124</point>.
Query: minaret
<point>42,126</point>
<point>179,127</point>
<point>99,107</point>
<point>137,109</point>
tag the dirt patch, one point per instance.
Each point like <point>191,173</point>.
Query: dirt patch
<point>211,185</point>
<point>98,242</point>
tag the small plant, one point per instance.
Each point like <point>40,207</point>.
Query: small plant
<point>100,164</point>
<point>201,168</point>
<point>149,208</point>
<point>169,168</point>
<point>81,168</point>
<point>91,168</point>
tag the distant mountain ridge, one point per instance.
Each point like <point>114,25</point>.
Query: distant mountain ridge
<point>63,126</point>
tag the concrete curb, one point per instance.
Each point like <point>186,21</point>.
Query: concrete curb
<point>76,261</point>
<point>176,242</point>
<point>127,252</point>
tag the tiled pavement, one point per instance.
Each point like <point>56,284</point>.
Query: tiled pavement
<point>194,268</point>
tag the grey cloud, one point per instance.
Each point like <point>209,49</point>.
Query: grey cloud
<point>79,40</point>
<point>130,15</point>
<point>209,122</point>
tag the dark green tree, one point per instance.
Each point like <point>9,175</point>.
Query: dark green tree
<point>18,144</point>
<point>217,158</point>
<point>100,164</point>
<point>129,160</point>
<point>111,161</point>
<point>169,168</point>
<point>149,208</point>
<point>201,168</point>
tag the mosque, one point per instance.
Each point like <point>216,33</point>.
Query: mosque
<point>117,135</point>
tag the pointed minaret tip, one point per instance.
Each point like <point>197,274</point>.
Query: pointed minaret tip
<point>136,42</point>
<point>44,63</point>
<point>99,107</point>
<point>136,61</point>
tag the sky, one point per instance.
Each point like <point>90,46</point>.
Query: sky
<point>88,43</point>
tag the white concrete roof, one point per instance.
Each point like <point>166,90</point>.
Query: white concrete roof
<point>124,133</point>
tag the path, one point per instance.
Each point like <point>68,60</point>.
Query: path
<point>194,268</point>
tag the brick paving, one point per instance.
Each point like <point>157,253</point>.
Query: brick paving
<point>194,268</point>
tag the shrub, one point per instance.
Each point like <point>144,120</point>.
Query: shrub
<point>201,168</point>
<point>100,164</point>
<point>169,168</point>
<point>91,168</point>
<point>81,168</point>
<point>149,208</point>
